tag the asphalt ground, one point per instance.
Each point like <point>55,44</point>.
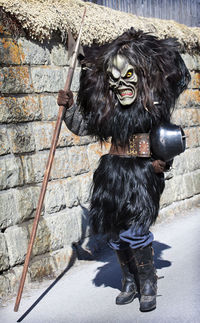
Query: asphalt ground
<point>86,293</point>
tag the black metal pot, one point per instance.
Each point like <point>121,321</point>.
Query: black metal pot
<point>167,141</point>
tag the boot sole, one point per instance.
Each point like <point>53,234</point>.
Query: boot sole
<point>147,310</point>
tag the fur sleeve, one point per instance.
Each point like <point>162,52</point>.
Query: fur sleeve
<point>75,122</point>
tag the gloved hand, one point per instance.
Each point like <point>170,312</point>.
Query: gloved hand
<point>159,166</point>
<point>65,98</point>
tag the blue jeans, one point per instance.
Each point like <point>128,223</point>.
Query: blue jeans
<point>133,238</point>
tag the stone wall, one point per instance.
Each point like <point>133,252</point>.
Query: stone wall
<point>30,76</point>
<point>182,189</point>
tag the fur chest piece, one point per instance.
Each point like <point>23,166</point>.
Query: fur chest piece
<point>123,80</point>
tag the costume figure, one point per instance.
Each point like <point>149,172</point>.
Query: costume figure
<point>127,88</point>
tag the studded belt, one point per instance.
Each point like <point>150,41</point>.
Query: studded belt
<point>139,146</point>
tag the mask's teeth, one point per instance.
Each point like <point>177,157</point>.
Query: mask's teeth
<point>125,92</point>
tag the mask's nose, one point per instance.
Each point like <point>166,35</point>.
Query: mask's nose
<point>117,83</point>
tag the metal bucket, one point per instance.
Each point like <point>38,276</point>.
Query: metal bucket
<point>167,141</point>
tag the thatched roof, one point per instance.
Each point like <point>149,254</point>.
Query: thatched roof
<point>41,18</point>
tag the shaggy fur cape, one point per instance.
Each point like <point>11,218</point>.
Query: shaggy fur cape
<point>126,190</point>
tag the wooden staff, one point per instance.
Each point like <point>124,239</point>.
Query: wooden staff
<point>61,114</point>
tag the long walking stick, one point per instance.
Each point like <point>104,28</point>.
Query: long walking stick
<point>61,114</point>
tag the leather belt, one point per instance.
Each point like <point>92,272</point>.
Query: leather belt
<point>139,146</point>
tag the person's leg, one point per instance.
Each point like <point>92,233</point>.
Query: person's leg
<point>142,255</point>
<point>128,267</point>
<point>147,277</point>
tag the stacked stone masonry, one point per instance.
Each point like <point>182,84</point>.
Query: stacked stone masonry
<point>30,76</point>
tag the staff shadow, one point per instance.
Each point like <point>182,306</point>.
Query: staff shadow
<point>109,274</point>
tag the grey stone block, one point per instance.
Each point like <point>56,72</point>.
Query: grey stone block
<point>33,53</point>
<point>21,138</point>
<point>192,61</point>
<point>59,55</point>
<point>191,117</point>
<point>62,167</point>
<point>196,181</point>
<point>26,201</point>
<point>78,160</point>
<point>56,226</point>
<point>49,107</point>
<point>54,198</point>
<point>178,116</point>
<point>19,109</point>
<point>95,151</point>
<point>34,167</point>
<point>195,80</point>
<point>8,210</point>
<point>62,258</point>
<point>14,276</point>
<point>193,136</point>
<point>64,228</point>
<point>177,208</point>
<point>167,196</point>
<point>71,188</point>
<point>42,243</point>
<point>4,142</point>
<point>15,80</point>
<point>198,135</point>
<point>17,242</point>
<point>4,259</point>
<point>180,164</point>
<point>43,134</point>
<point>4,287</point>
<point>177,188</point>
<point>75,80</point>
<point>42,267</point>
<point>192,158</point>
<point>72,226</point>
<point>86,186</point>
<point>9,51</point>
<point>9,282</point>
<point>11,171</point>
<point>47,79</point>
<point>188,189</point>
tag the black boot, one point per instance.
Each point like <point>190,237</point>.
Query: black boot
<point>129,288</point>
<point>147,278</point>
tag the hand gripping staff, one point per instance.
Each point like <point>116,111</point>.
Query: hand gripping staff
<point>56,133</point>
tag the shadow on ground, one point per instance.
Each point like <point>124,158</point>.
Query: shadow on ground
<point>109,274</point>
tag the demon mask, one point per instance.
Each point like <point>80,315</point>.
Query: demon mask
<point>122,79</point>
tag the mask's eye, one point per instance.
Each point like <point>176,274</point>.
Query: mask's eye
<point>112,78</point>
<point>129,74</point>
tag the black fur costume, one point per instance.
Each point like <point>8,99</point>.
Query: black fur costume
<point>126,190</point>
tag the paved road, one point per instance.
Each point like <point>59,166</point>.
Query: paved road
<point>86,293</point>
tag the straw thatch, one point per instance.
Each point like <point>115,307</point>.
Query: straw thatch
<point>41,18</point>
